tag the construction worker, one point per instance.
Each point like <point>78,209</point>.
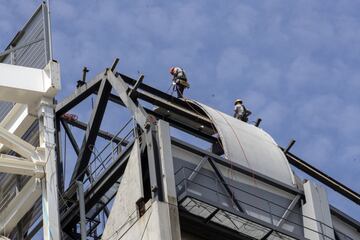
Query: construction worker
<point>180,81</point>
<point>240,112</point>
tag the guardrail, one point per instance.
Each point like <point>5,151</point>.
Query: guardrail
<point>265,215</point>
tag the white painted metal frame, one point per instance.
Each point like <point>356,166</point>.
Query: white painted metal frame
<point>35,89</point>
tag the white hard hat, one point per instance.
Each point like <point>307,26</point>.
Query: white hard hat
<point>238,101</point>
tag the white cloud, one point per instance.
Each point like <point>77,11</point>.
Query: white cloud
<point>231,66</point>
<point>295,63</point>
<point>242,19</point>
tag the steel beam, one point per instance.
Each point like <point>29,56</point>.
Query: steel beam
<point>225,185</point>
<point>80,193</point>
<point>98,188</point>
<point>71,137</point>
<point>59,158</point>
<point>79,95</point>
<point>166,98</point>
<point>17,121</point>
<point>168,102</point>
<point>18,145</point>
<point>91,131</point>
<point>103,134</point>
<point>288,210</point>
<point>121,89</point>
<point>322,177</point>
<point>173,122</point>
<point>28,85</point>
<point>21,166</point>
<point>20,205</point>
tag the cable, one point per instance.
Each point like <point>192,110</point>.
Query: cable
<point>146,224</point>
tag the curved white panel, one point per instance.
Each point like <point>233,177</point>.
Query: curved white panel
<point>250,146</point>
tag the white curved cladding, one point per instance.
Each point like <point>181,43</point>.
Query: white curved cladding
<point>250,146</point>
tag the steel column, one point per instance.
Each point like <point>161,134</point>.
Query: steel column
<point>80,193</point>
<point>50,203</point>
<point>91,131</point>
<point>225,185</point>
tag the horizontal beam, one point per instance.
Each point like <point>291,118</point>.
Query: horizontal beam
<point>322,177</point>
<point>28,85</point>
<point>20,205</point>
<point>344,217</point>
<point>79,95</point>
<point>173,122</point>
<point>161,99</point>
<point>155,92</point>
<point>103,134</point>
<point>18,145</point>
<point>21,166</point>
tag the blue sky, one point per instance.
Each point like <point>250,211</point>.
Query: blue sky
<point>295,63</point>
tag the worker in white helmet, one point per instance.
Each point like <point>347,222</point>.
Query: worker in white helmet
<point>179,80</point>
<point>240,112</point>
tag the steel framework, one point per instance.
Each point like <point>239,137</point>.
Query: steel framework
<point>129,92</point>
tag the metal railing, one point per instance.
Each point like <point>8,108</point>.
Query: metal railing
<point>103,158</point>
<point>185,185</point>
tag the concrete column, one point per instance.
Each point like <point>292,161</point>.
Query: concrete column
<point>168,175</point>
<point>316,211</point>
<point>160,219</point>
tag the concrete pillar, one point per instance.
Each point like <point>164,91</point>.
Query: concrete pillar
<point>160,219</point>
<point>316,211</point>
<point>168,175</point>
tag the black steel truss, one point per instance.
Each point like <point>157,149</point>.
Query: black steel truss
<point>137,89</point>
<point>91,131</point>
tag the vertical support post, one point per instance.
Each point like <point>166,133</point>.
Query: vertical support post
<point>59,157</point>
<point>48,30</point>
<point>80,193</point>
<point>154,162</point>
<point>168,178</point>
<point>12,56</point>
<point>316,213</point>
<point>49,184</point>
